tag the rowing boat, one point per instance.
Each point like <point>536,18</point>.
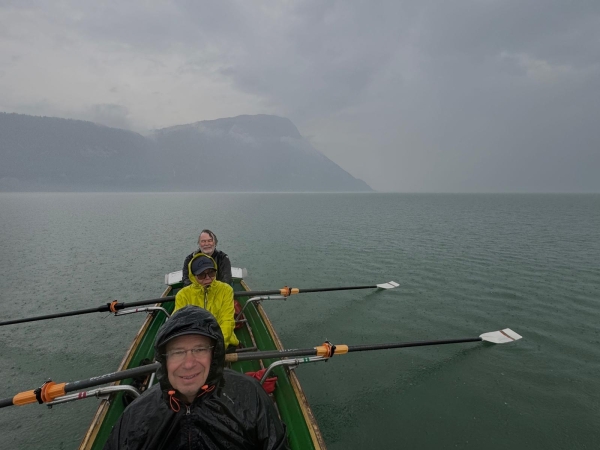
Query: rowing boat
<point>262,349</point>
<point>255,331</point>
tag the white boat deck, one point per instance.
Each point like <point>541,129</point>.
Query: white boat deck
<point>176,277</point>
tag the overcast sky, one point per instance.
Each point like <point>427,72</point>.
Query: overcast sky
<point>419,96</point>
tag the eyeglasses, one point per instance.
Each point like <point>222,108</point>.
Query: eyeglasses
<point>207,273</point>
<point>206,241</point>
<point>177,356</point>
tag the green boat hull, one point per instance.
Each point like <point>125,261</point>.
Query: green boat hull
<point>303,431</point>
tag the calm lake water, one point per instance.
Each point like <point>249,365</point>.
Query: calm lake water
<point>466,264</point>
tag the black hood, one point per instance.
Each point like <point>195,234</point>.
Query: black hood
<point>191,320</point>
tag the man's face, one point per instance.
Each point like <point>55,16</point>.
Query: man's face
<point>206,277</point>
<point>188,370</point>
<point>207,244</point>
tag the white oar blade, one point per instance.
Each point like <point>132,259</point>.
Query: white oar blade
<point>501,337</point>
<point>389,285</point>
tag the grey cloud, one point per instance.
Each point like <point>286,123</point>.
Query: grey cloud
<point>430,95</point>
<point>110,115</point>
<point>553,30</point>
<point>323,57</point>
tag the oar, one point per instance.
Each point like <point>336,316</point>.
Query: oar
<point>116,306</point>
<point>327,350</point>
<point>291,291</point>
<point>50,390</point>
<point>112,307</point>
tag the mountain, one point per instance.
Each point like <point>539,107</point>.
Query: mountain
<point>250,153</point>
<point>51,154</point>
<point>244,153</point>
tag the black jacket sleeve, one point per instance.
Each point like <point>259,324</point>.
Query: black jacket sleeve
<point>224,269</point>
<point>271,432</point>
<point>113,440</point>
<point>186,275</point>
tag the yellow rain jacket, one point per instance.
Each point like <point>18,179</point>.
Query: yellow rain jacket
<point>216,298</point>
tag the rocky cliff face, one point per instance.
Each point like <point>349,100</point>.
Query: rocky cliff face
<point>245,153</point>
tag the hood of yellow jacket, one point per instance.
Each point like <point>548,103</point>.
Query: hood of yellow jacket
<point>192,277</point>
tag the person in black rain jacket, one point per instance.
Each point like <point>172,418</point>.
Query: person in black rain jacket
<point>207,244</point>
<point>198,403</point>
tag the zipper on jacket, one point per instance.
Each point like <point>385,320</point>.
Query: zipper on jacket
<point>188,410</point>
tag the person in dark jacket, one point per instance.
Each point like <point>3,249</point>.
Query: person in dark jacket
<point>207,244</point>
<point>198,403</point>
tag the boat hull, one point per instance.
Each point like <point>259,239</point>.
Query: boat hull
<point>293,407</point>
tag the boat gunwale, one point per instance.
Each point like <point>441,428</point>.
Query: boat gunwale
<point>311,422</point>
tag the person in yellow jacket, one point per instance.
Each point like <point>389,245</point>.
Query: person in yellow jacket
<point>210,294</point>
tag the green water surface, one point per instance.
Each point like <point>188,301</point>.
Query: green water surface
<point>466,264</point>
